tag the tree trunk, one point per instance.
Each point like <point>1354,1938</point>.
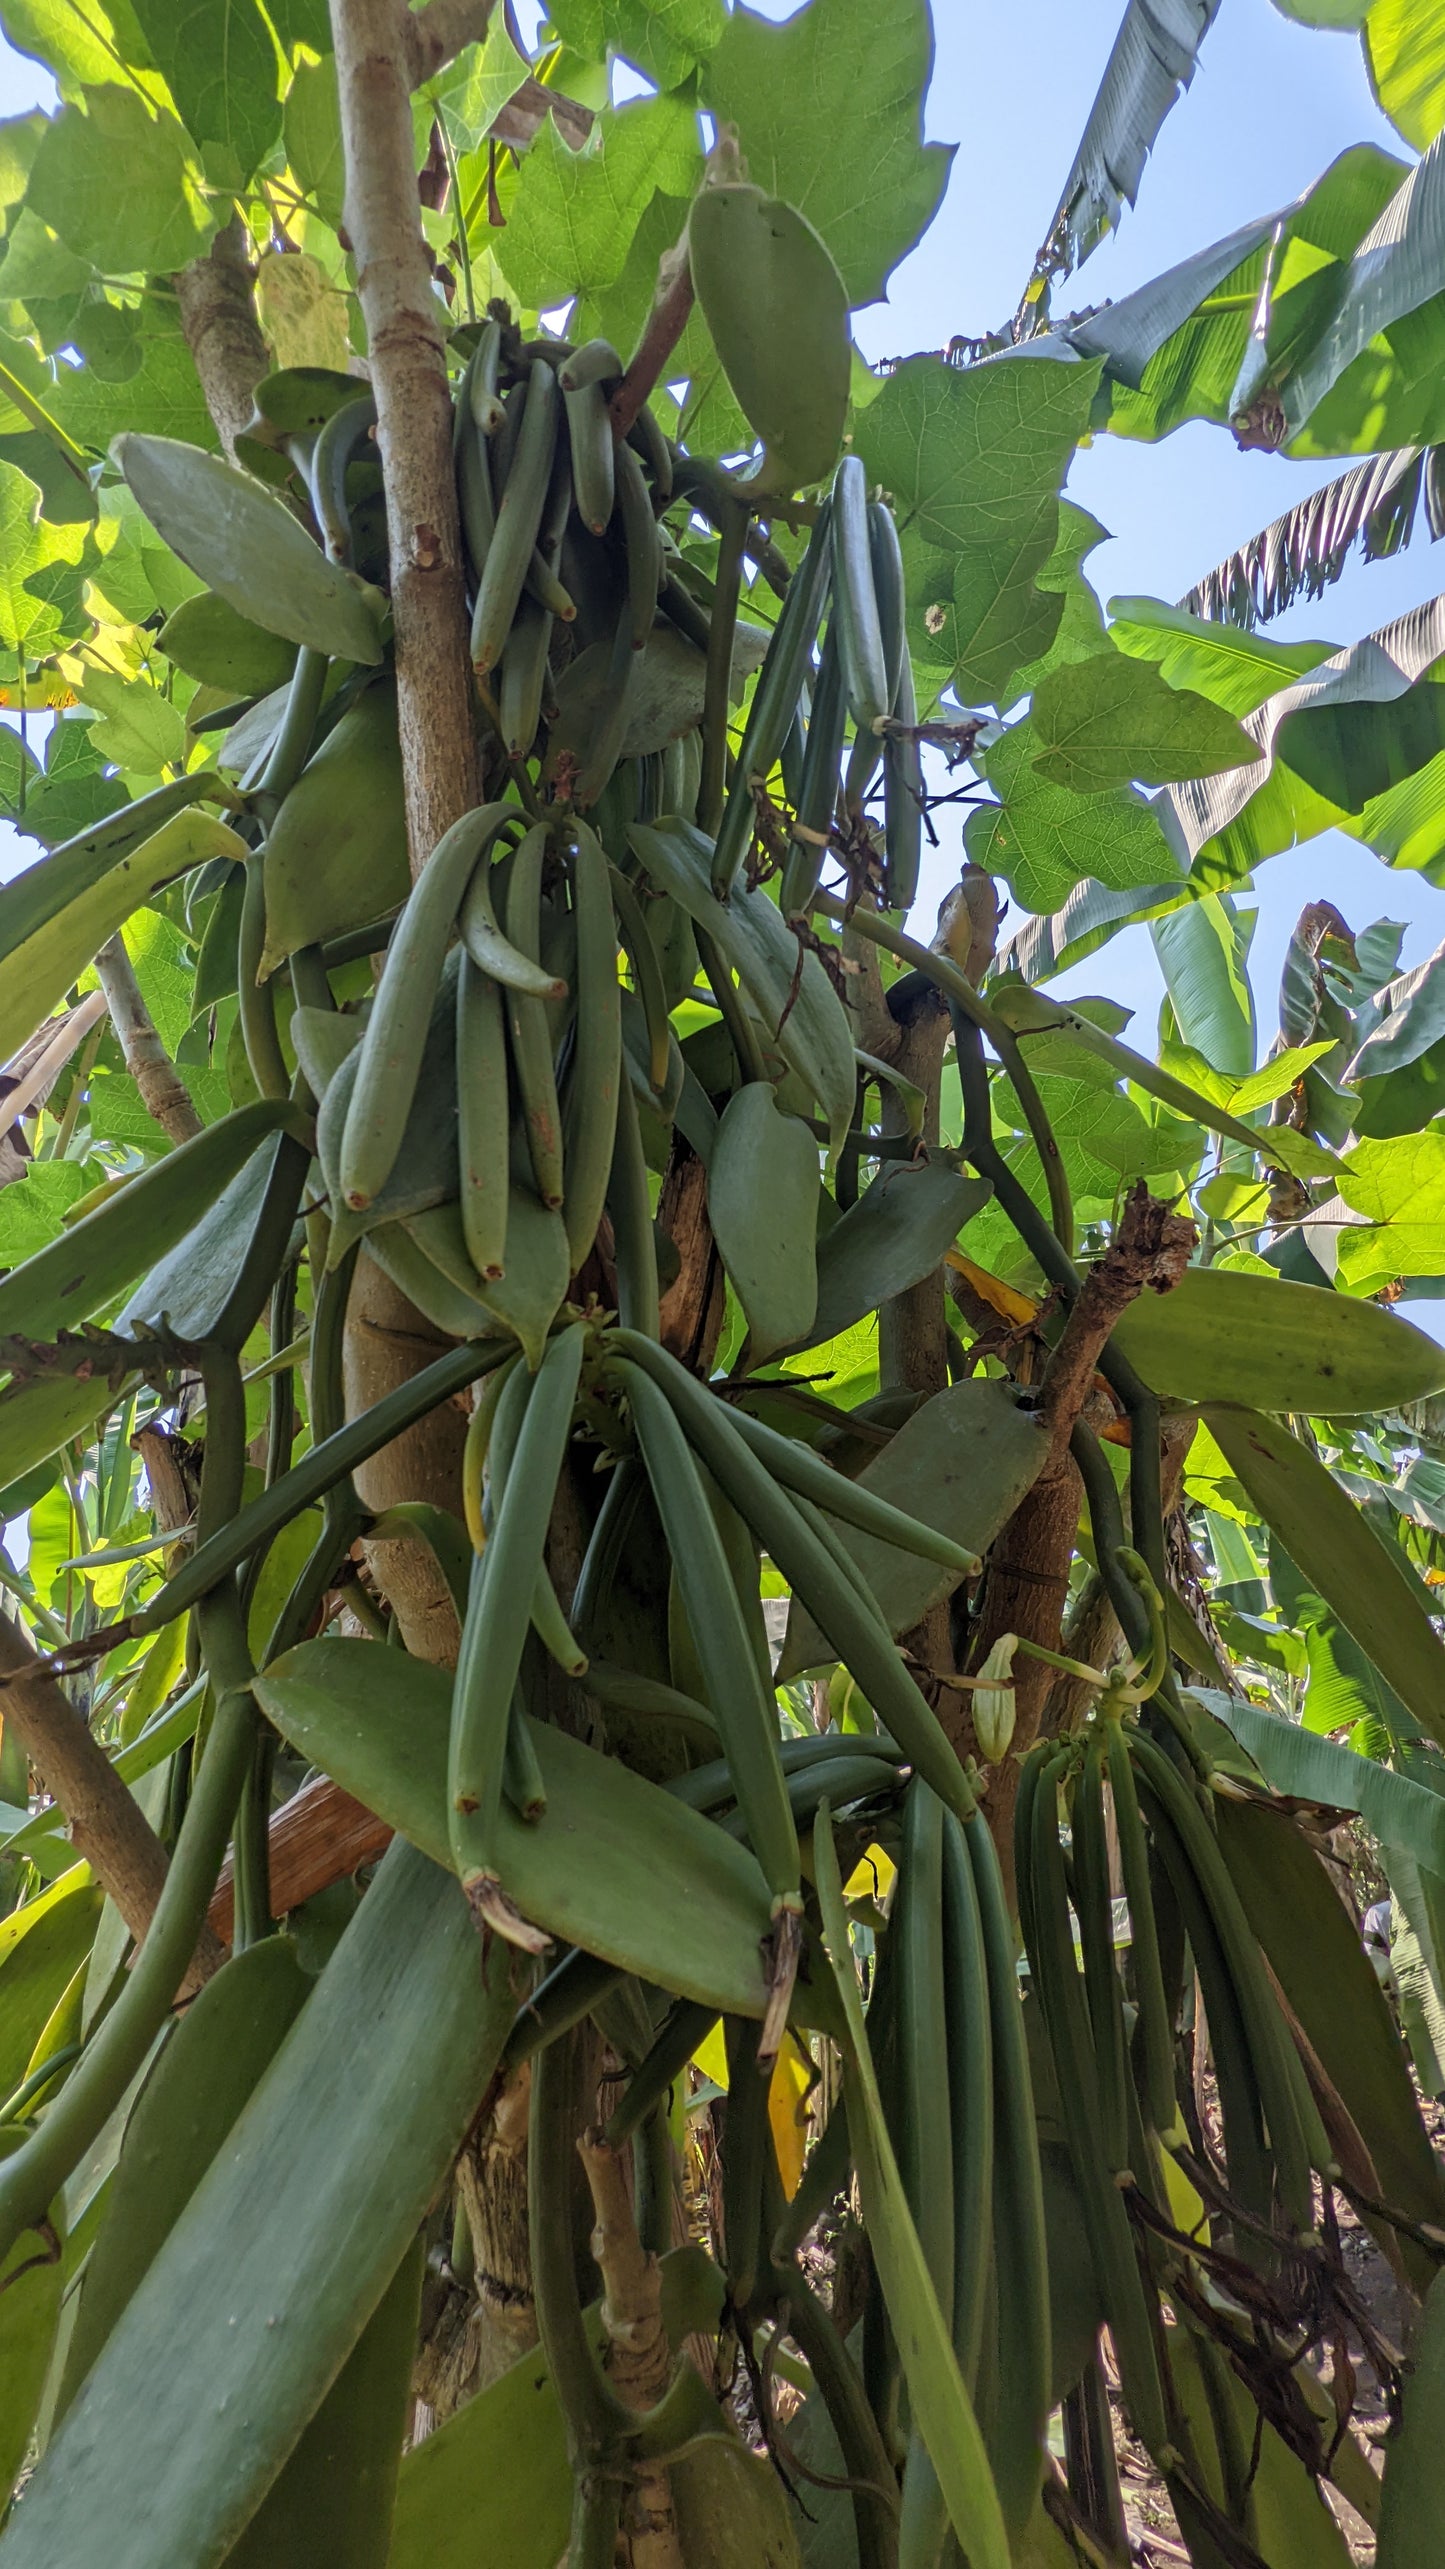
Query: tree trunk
<point>218,316</point>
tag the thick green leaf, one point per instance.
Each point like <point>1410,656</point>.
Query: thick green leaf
<point>246,545</point>
<point>1234,669</point>
<point>896,1233</point>
<point>44,948</point>
<point>219,64</point>
<point>337,2490</point>
<point>337,858</point>
<point>1203,953</point>
<point>91,1263</point>
<point>1414,2490</point>
<point>690,1919</point>
<point>211,642</point>
<point>285,2249</point>
<point>193,2093</point>
<point>1337,1550</point>
<point>973,459</point>
<point>801,1012</point>
<point>1116,721</point>
<point>226,1263</point>
<point>31,2285</point>
<point>498,2466</point>
<point>1396,268</point>
<point>762,1196</point>
<point>572,224</point>
<point>941,2404</point>
<point>829,113</point>
<point>1226,1335</point>
<point>38,1417</point>
<point>149,222</point>
<point>1399,1186</point>
<point>961,1464</point>
<point>1045,839</point>
<point>775,305</point>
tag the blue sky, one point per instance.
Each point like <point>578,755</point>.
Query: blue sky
<point>1271,105</point>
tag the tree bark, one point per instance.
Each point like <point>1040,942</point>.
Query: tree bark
<point>435,704</point>
<point>164,1093</point>
<point>105,1823</point>
<point>218,316</point>
<point>387,1341</point>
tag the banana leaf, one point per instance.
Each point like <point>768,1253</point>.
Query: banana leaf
<point>1366,1580</point>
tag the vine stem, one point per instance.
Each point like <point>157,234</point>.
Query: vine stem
<point>960,992</point>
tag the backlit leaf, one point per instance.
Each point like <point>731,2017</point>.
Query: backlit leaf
<point>1116,721</point>
<point>155,222</point>
<point>829,112</point>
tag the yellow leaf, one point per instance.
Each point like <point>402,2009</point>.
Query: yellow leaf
<point>711,2056</point>
<point>1000,1297</point>
<point>788,2111</point>
<point>871,1877</point>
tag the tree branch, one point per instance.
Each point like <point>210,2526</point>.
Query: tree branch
<point>376,41</point>
<point>106,1824</point>
<point>433,35</point>
<point>164,1093</point>
<point>666,323</point>
<point>218,316</point>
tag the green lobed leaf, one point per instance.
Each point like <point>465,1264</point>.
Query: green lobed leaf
<point>1045,840</point>
<point>154,220</point>
<point>311,124</point>
<point>973,459</point>
<point>664,39</point>
<point>829,113</point>
<point>32,622</point>
<point>572,225</point>
<point>1399,1186</point>
<point>1115,721</point>
<point>1079,633</point>
<point>219,64</point>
